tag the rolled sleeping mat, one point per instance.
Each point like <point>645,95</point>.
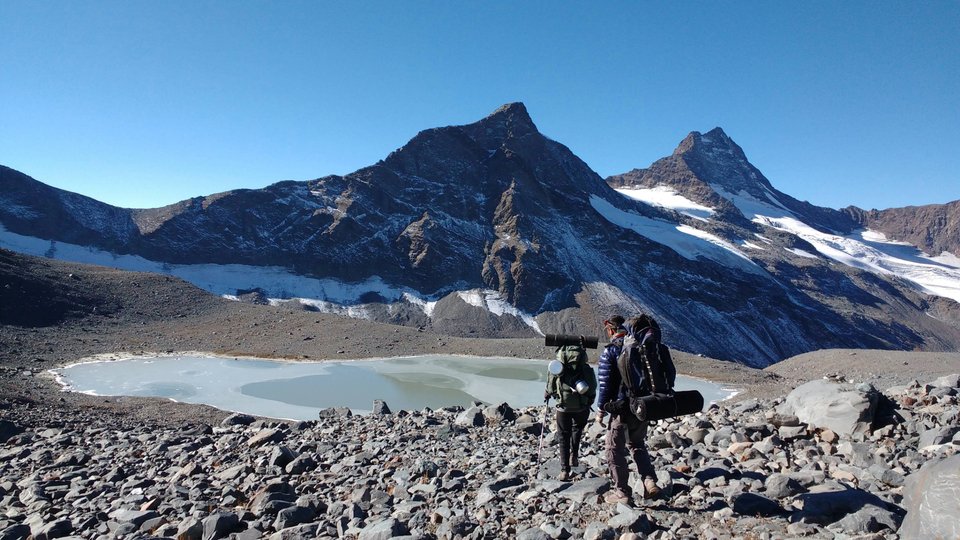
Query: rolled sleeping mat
<point>660,406</point>
<point>559,340</point>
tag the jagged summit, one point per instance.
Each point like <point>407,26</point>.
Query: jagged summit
<point>715,141</point>
<point>515,111</point>
<point>509,121</point>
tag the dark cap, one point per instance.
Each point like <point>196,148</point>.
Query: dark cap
<point>614,320</point>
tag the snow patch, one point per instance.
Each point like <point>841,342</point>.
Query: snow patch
<point>802,253</point>
<point>938,276</point>
<point>495,303</point>
<point>666,197</point>
<point>687,241</point>
<point>279,284</point>
<point>750,245</point>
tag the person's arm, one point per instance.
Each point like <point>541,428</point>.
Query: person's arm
<point>606,386</point>
<point>668,366</point>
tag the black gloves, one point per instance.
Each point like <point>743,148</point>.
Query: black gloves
<point>615,407</point>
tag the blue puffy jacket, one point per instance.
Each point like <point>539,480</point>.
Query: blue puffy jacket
<point>608,376</point>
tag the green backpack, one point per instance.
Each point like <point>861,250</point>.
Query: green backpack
<point>575,368</point>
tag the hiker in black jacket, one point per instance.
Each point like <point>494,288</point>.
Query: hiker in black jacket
<point>625,430</point>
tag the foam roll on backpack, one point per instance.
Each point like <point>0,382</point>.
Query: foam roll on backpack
<point>659,406</point>
<point>559,340</point>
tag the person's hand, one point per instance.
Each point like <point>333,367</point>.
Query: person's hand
<point>546,397</point>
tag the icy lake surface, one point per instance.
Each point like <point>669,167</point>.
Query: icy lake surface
<point>298,390</point>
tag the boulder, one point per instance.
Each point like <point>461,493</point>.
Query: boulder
<point>931,498</point>
<point>8,429</point>
<point>947,381</point>
<point>840,407</point>
<point>238,419</point>
<point>500,413</point>
<point>382,530</point>
<point>220,525</point>
<point>380,407</point>
<point>335,412</point>
<point>751,504</point>
<point>471,417</point>
<point>826,507</point>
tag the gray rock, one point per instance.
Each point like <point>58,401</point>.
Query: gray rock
<point>220,525</point>
<point>869,519</point>
<point>471,417</point>
<point>137,517</point>
<point>934,436</point>
<point>190,529</point>
<point>500,413</point>
<point>380,407</point>
<point>599,531</point>
<point>829,506</point>
<point>778,486</point>
<point>281,456</point>
<point>54,529</point>
<point>533,533</point>
<point>238,419</point>
<point>558,531</point>
<point>751,504</point>
<point>265,436</point>
<point>858,454</point>
<point>335,412</point>
<point>588,487</point>
<point>301,464</point>
<point>834,405</point>
<point>886,475</point>
<point>300,532</point>
<point>931,497</point>
<point>293,515</point>
<point>8,430</point>
<point>631,520</point>
<point>15,532</point>
<point>947,381</point>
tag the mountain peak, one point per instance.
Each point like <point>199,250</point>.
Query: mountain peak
<point>516,109</point>
<point>711,141</point>
<point>513,117</point>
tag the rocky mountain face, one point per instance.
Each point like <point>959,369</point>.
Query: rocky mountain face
<point>934,228</point>
<point>497,210</point>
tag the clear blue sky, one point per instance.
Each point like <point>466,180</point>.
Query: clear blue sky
<point>145,103</point>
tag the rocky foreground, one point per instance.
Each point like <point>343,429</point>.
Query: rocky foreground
<point>754,469</point>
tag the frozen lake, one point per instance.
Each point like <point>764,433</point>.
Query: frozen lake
<point>298,390</point>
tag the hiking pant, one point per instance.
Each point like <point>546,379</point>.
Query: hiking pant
<point>627,431</point>
<point>570,427</point>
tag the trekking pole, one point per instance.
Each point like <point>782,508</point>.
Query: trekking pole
<point>543,425</point>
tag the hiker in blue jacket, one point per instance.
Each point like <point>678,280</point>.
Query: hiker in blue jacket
<point>625,430</point>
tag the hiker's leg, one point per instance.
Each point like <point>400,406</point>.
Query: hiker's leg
<point>564,428</point>
<point>616,454</point>
<point>636,435</point>
<point>579,423</point>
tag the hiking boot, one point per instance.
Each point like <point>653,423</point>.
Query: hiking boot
<point>650,488</point>
<point>616,496</point>
<point>564,475</point>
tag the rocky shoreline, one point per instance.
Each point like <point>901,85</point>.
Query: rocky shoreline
<point>743,469</point>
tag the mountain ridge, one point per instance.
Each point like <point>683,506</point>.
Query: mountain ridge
<point>496,206</point>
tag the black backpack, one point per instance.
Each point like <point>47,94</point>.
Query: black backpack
<point>646,368</point>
